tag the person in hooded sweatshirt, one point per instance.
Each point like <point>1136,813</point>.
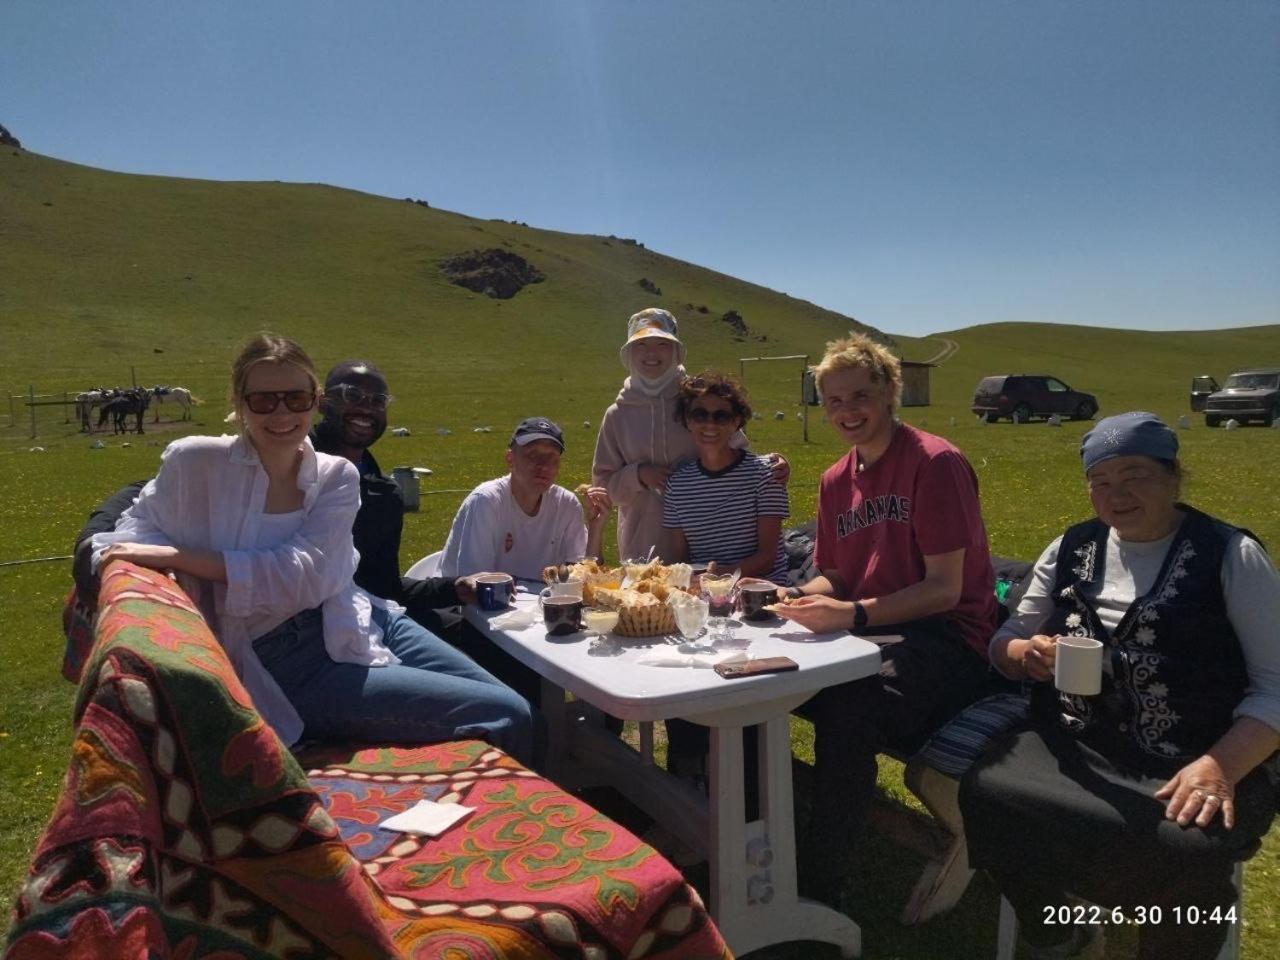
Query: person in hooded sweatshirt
<point>641,442</point>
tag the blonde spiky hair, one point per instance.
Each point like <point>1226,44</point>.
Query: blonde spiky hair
<point>859,350</point>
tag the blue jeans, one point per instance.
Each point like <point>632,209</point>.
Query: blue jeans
<point>435,693</point>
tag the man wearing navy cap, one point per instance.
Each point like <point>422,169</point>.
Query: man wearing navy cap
<point>520,523</point>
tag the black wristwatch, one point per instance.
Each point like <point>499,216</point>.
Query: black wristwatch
<point>794,593</point>
<point>859,615</point>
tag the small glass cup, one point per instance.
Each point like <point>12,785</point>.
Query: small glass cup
<point>691,617</point>
<point>602,624</point>
<point>717,590</point>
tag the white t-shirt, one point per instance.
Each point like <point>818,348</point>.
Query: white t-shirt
<point>491,532</point>
<point>1250,586</point>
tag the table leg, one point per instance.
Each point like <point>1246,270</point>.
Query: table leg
<point>556,712</point>
<point>753,886</point>
<point>728,820</point>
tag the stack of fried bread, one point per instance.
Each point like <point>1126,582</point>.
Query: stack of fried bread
<point>643,610</point>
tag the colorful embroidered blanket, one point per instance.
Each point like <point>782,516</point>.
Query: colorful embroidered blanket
<point>185,829</point>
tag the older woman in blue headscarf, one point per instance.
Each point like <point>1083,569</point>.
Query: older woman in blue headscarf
<point>1143,797</point>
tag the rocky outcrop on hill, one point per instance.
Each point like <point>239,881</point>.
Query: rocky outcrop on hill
<point>734,319</point>
<point>740,329</point>
<point>7,139</point>
<point>495,273</point>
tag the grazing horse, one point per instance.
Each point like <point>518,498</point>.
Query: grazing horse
<point>85,404</point>
<point>105,396</point>
<point>179,395</point>
<point>127,402</point>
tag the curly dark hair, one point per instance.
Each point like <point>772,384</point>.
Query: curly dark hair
<point>716,384</point>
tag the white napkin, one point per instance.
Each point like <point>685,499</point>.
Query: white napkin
<point>516,618</point>
<point>427,817</point>
<point>674,658</point>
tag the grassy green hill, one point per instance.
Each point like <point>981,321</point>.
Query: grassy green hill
<point>102,268</point>
<point>107,276</point>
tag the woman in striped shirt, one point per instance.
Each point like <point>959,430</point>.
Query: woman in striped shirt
<point>724,507</point>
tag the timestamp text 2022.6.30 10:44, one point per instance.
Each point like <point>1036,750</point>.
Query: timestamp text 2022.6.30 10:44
<point>1093,914</point>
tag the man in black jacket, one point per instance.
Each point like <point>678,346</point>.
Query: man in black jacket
<point>353,416</point>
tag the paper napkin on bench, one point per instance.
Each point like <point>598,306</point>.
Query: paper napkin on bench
<point>427,817</point>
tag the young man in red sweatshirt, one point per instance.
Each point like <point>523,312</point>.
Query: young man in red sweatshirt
<point>903,553</point>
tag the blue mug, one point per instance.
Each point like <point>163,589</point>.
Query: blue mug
<point>494,591</point>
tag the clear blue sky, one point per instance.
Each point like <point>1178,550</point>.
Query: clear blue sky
<point>921,166</point>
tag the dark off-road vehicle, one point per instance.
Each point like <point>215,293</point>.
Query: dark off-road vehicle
<point>1025,395</point>
<point>1247,395</point>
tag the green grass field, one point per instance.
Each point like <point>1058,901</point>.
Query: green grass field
<point>96,291</point>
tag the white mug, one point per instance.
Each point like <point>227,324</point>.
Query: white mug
<point>1077,666</point>
<point>564,588</point>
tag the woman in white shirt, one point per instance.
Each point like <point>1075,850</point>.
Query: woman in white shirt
<point>258,530</point>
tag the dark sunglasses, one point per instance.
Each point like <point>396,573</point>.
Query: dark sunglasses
<point>266,401</point>
<point>719,417</point>
<point>353,396</point>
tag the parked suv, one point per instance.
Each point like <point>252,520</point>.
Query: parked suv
<point>1026,395</point>
<point>1247,395</point>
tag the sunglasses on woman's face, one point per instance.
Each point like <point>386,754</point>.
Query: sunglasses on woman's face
<point>266,401</point>
<point>718,417</point>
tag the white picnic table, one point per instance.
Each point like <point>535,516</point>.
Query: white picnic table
<point>754,900</point>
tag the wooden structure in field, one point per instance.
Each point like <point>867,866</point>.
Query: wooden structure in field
<point>915,383</point>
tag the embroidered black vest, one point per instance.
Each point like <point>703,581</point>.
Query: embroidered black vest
<point>1177,670</point>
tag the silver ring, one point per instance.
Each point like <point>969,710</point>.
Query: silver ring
<point>1211,797</point>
